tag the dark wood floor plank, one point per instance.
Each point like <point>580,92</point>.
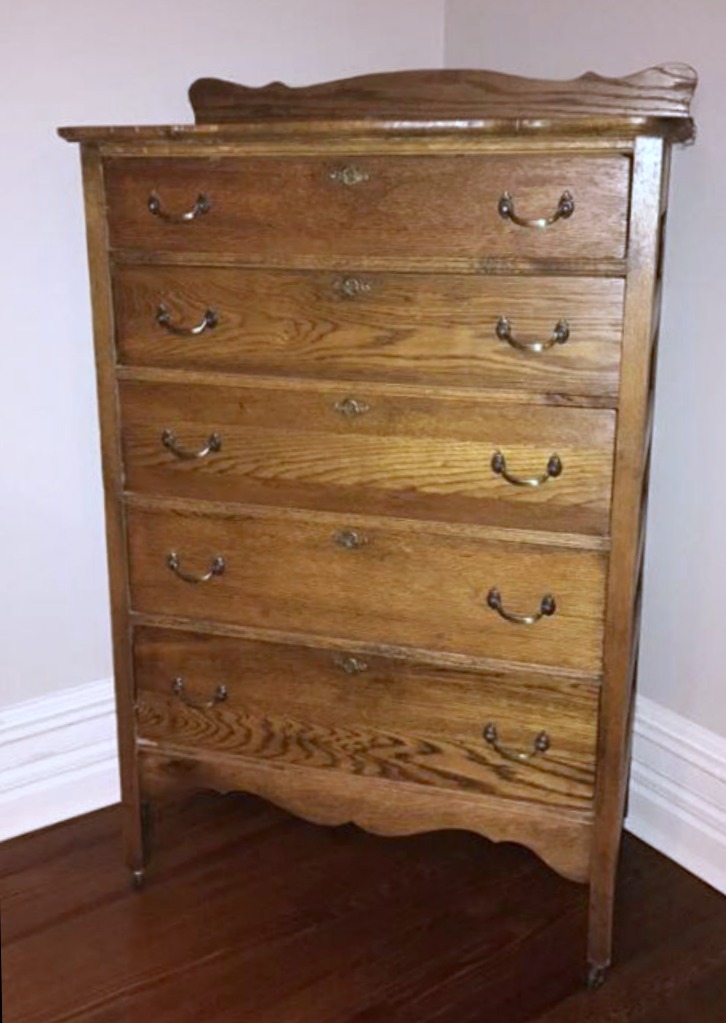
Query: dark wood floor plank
<point>427,933</point>
<point>250,914</point>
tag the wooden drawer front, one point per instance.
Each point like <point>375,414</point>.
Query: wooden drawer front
<point>418,328</point>
<point>389,719</point>
<point>372,450</point>
<point>273,209</point>
<point>392,582</point>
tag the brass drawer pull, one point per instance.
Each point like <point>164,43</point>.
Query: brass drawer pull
<point>352,287</point>
<point>350,407</point>
<point>350,539</point>
<point>540,745</point>
<point>209,320</point>
<point>553,470</point>
<point>220,695</point>
<point>201,206</point>
<point>565,209</point>
<point>559,335</point>
<point>349,175</point>
<point>547,607</point>
<point>214,444</point>
<point>350,665</point>
<point>216,568</point>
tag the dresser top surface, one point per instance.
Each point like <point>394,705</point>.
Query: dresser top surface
<point>655,101</point>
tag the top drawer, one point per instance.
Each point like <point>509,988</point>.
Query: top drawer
<point>280,209</point>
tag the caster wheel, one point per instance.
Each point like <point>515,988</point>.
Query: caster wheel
<point>596,977</point>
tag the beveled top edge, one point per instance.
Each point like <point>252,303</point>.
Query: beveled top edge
<point>675,129</point>
<point>662,91</point>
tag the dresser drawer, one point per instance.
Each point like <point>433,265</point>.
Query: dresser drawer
<point>419,328</point>
<point>275,209</point>
<point>382,581</point>
<point>371,449</point>
<point>376,716</point>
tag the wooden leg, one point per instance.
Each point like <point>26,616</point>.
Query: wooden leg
<point>138,841</point>
<point>600,925</point>
<point>612,794</point>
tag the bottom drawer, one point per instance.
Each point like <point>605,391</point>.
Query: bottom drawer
<point>527,738</point>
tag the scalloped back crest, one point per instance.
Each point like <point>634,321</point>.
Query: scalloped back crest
<point>658,92</point>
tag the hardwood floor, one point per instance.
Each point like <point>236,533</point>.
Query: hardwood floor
<point>252,916</point>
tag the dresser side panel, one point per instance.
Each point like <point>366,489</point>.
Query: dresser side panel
<point>103,332</point>
<point>627,525</point>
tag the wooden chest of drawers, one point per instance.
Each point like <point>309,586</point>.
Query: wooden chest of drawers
<point>376,366</point>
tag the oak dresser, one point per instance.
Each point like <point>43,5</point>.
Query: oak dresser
<point>375,365</point>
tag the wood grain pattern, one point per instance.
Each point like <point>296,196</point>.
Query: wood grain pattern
<point>663,91</point>
<point>393,719</point>
<point>492,266</point>
<point>272,209</point>
<point>414,587</point>
<point>305,138</point>
<point>435,659</point>
<point>427,457</point>
<point>384,752</point>
<point>418,328</point>
<point>412,527</point>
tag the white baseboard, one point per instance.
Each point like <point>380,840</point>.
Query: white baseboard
<point>678,791</point>
<point>57,757</point>
<point>58,760</point>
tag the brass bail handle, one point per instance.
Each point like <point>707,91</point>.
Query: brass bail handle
<point>560,334</point>
<point>552,471</point>
<point>540,745</point>
<point>213,445</point>
<point>547,608</point>
<point>565,208</point>
<point>202,205</point>
<point>216,568</point>
<point>208,321</point>
<point>219,696</point>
